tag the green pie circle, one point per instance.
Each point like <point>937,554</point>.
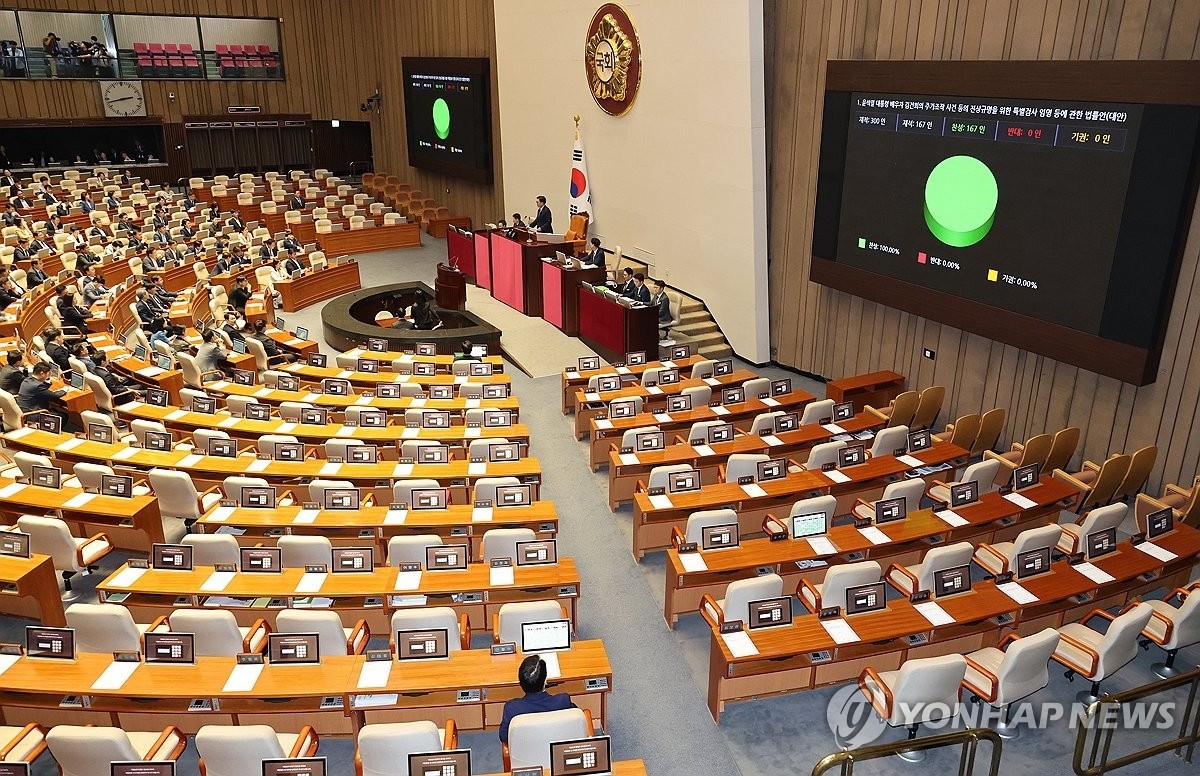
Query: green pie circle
<point>960,201</point>
<point>441,118</point>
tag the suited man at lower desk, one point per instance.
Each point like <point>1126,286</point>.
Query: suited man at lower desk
<point>543,220</point>
<point>641,293</point>
<point>532,676</point>
<point>626,286</point>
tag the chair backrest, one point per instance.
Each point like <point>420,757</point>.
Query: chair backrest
<point>698,521</point>
<point>741,592</point>
<point>1101,519</point>
<point>513,615</point>
<point>928,407</point>
<point>479,448</point>
<point>410,548</point>
<point>141,427</point>
<point>702,369</point>
<point>317,488</point>
<point>216,630</point>
<point>25,462</point>
<point>530,735</point>
<point>485,487</point>
<point>941,558</point>
<point>383,748</point>
<point>659,475</point>
<point>903,408</point>
<point>991,423</point>
<point>402,490</point>
<point>890,439</point>
<point>266,443</point>
<point>1112,473</point>
<point>1186,620</point>
<point>1036,539</point>
<point>99,389</point>
<point>840,577</point>
<point>927,689</point>
<point>821,454</point>
<point>1140,464</point>
<point>764,422</point>
<point>331,639</point>
<point>211,549</point>
<point>755,387</point>
<point>86,751</point>
<point>103,628</point>
<point>637,403</point>
<point>650,375</point>
<point>11,411</point>
<point>502,542</point>
<point>815,411</point>
<point>910,490</point>
<point>1025,668</point>
<point>90,475</point>
<point>177,496</point>
<point>1062,449</point>
<point>698,433</point>
<point>700,395</point>
<point>983,472</point>
<point>422,617</point>
<point>813,505</point>
<point>1036,450</point>
<point>50,536</point>
<point>744,465</point>
<point>236,750</point>
<point>1120,642</point>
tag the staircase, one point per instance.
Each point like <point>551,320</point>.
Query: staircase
<point>698,329</point>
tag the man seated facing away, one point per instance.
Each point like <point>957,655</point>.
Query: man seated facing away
<point>210,357</point>
<point>532,676</point>
<point>58,352</point>
<point>35,394</point>
<point>272,349</point>
<point>122,389</point>
<point>11,375</point>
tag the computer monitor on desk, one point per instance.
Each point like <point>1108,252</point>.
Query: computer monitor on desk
<point>171,557</point>
<point>684,481</point>
<point>456,762</point>
<point>770,613</point>
<point>294,766</point>
<point>423,644</point>
<point>889,510</point>
<point>293,648</point>
<point>722,432</point>
<point>142,768</point>
<point>1033,562</point>
<point>811,524</point>
<point>1101,543</point>
<point>446,557</point>
<point>866,598</point>
<point>719,537</point>
<point>952,581</point>
<point>580,757</point>
<point>1160,523</point>
<point>169,648</point>
<point>1025,476</point>
<point>546,636</point>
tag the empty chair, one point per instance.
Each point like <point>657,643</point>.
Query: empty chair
<point>738,595</point>
<point>983,473</point>
<point>832,592</point>
<point>1015,669</point>
<point>1074,536</point>
<point>317,488</point>
<point>764,422</point>
<point>266,443</point>
<point>700,395</point>
<point>22,744</point>
<point>530,735</point>
<point>217,632</point>
<point>507,622</point>
<point>889,440</point>
<point>1174,628</point>
<point>823,454</point>
<point>698,433</point>
<point>457,626</point>
<point>659,475</point>
<point>999,557</point>
<point>920,576</point>
<point>502,542</point>
<point>1097,483</point>
<point>485,487</point>
<point>25,461</point>
<point>635,401</point>
<point>70,555</point>
<point>300,551</point>
<point>1034,451</point>
<point>410,548</point>
<point>90,476</point>
<point>703,369</point>
<point>402,490</point>
<point>650,376</point>
<point>211,549</point>
<point>178,498</point>
<point>481,448</point>
<point>743,465</point>
<point>928,407</point>
<point>104,628</point>
<point>291,410</point>
<point>238,750</point>
<point>991,423</point>
<point>1140,465</point>
<point>90,417</point>
<point>922,690</point>
<point>332,637</point>
<point>336,448</point>
<point>1062,448</point>
<point>900,412</point>
<point>910,490</point>
<point>756,388</point>
<point>705,518</point>
<point>140,427</point>
<point>383,748</point>
<point>1096,656</point>
<point>88,750</point>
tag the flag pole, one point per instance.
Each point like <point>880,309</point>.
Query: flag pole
<point>576,117</point>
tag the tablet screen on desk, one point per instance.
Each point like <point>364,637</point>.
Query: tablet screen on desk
<point>388,390</point>
<point>317,359</point>
<point>52,643</point>
<point>541,552</point>
<point>608,383</point>
<point>621,409</point>
<point>75,380</point>
<point>259,497</point>
<point>314,416</point>
<point>222,448</point>
<point>170,648</point>
<point>679,403</point>
<point>1159,523</point>
<point>964,493</point>
<point>158,440</point>
<point>14,544</point>
<point>865,598</point>
<point>1033,562</point>
<point>341,498</point>
<point>426,349</point>
<point>503,451</point>
<point>719,537</point>
<point>433,454</point>
<point>352,559</point>
<point>139,352</point>
<point>680,352</point>
<point>781,387</point>
<point>636,358</point>
<point>46,476</point>
<point>239,346</point>
<point>735,395</point>
<point>261,559</point>
<point>294,766</point>
<point>376,345</point>
<point>100,432</point>
<point>684,481</point>
<point>116,485</point>
<point>1025,476</point>
<point>843,411</point>
<point>851,455</point>
<point>919,440</point>
<point>581,757</point>
<point>171,557</point>
<point>889,510</point>
<point>813,524</point>
<point>204,405</point>
<point>722,432</point>
<point>435,419</point>
<point>773,469</point>
<point>495,391</point>
<point>497,418</point>
<point>426,644</point>
<point>440,391</point>
<point>587,363</point>
<point>430,498</point>
<point>293,648</point>
<point>480,369</point>
<point>723,367</point>
<point>514,495</point>
<point>140,768</point>
<point>668,376</point>
<point>1101,543</point>
<point>288,383</point>
<point>301,332</point>
<point>545,636</point>
<point>649,440</point>
<point>789,421</point>
<point>770,613</point>
<point>362,454</point>
<point>455,762</point>
<point>368,366</point>
<point>335,387</point>
<point>446,557</point>
<point>375,419</point>
<point>951,581</point>
<point>243,377</point>
<point>18,769</point>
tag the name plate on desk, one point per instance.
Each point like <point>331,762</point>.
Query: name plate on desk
<point>732,626</point>
<point>533,770</point>
<point>506,648</point>
<point>249,659</point>
<point>829,612</point>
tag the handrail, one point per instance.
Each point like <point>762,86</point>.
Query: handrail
<point>968,739</point>
<point>1106,723</point>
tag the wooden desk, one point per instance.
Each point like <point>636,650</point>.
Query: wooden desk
<point>315,374</point>
<point>440,227</point>
<point>298,293</point>
<point>992,519</point>
<point>516,271</point>
<point>573,380</point>
<point>619,768</point>
<point>456,406</point>
<point>876,389</point>
<point>612,330</point>
<point>560,293</point>
<point>379,238</point>
<point>443,362</point>
<point>652,525</point>
<point>785,661</point>
<point>29,588</point>
<point>130,523</point>
<point>460,251</point>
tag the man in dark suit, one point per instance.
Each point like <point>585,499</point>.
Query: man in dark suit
<point>235,222</point>
<point>239,294</point>
<point>20,202</point>
<point>48,197</point>
<point>291,263</point>
<point>12,375</point>
<point>662,301</point>
<point>41,243</point>
<point>296,202</point>
<point>146,309</point>
<point>53,337</point>
<point>596,254</point>
<point>112,201</point>
<point>34,393</point>
<point>290,242</point>
<point>627,286</point>
<point>532,676</point>
<point>35,276</point>
<point>640,294</point>
<point>188,203</point>
<point>222,265</point>
<point>10,215</point>
<point>542,219</point>
<point>22,252</point>
<point>268,251</point>
<point>71,315</point>
<point>188,230</point>
<point>122,390</point>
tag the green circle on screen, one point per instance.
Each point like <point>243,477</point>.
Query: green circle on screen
<point>960,201</point>
<point>441,118</point>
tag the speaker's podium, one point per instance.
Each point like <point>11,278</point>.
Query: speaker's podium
<point>516,268</point>
<point>451,288</point>
<point>560,291</point>
<point>609,325</point>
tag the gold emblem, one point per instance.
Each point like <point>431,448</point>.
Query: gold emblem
<point>612,56</point>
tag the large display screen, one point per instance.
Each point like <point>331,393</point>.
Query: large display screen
<point>1002,214</point>
<point>448,117</point>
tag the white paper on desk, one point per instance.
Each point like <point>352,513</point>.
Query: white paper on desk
<point>460,379</point>
<point>481,514</point>
<point>126,577</point>
<point>910,462</point>
<point>692,561</point>
<point>243,678</point>
<point>191,459</point>
<point>475,468</point>
<point>472,403</point>
<point>345,431</point>
<point>294,367</point>
<point>176,415</point>
<point>80,500</point>
<point>654,389</point>
<point>404,601</point>
<point>837,476</point>
<point>662,417</point>
<point>624,370</point>
<point>472,431</point>
<point>70,444</point>
<point>712,381</point>
<point>1156,552</point>
<point>416,402</point>
<point>331,468</point>
<point>739,644</point>
<point>821,545</point>
<point>363,400</point>
<point>720,409</point>
<point>27,430</point>
<point>591,397</point>
<point>833,428</point>
<point>874,535</point>
<point>401,378</point>
<point>259,464</point>
<point>345,373</point>
<point>7,662</point>
<point>285,428</point>
<point>931,611</point>
<point>149,371</point>
<point>374,674</point>
<point>669,364</point>
<point>771,440</point>
<point>1017,593</point>
<point>310,582</point>
<point>503,575</point>
<point>306,516</point>
<point>261,392</point>
<point>703,450</point>
<point>410,433</point>
<point>1019,500</point>
<point>218,384</point>
<point>220,514</point>
<point>840,631</point>
<point>661,501</point>
<point>115,676</point>
<point>217,581</point>
<point>552,669</point>
<point>753,490</point>
<point>12,489</point>
<point>227,422</point>
<point>1094,573</point>
<point>408,580</point>
<point>127,453</point>
<point>951,518</point>
<point>402,470</point>
<point>628,459</point>
<point>604,423</point>
<point>395,517</point>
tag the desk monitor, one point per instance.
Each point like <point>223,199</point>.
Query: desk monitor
<point>1157,523</point>
<point>430,498</point>
<point>635,358</point>
<point>377,345</point>
<point>156,397</point>
<point>169,648</point>
<point>514,495</point>
<point>301,332</point>
<point>334,387</point>
<point>287,383</point>
<point>1026,476</point>
<point>588,363</point>
<point>480,369</point>
<point>919,440</point>
<point>425,349</point>
<point>140,352</point>
<point>372,419</point>
<point>118,485</point>
<point>14,544</point>
<point>446,557</point>
<point>76,380</point>
<point>314,416</point>
<point>811,524</point>
<point>852,455</point>
<point>497,418</point>
<point>46,476</point>
<point>138,768</point>
<point>723,367</point>
<point>1033,562</point>
<point>684,481</point>
<point>294,766</point>
<point>540,552</point>
<point>722,432</point>
<point>362,454</point>
<point>352,559</point>
<point>964,493</point>
<point>435,419</point>
<point>621,409</point>
<point>788,421</point>
<point>367,366</point>
<point>317,359</point>
<point>452,762</point>
<point>770,613</point>
<point>545,636</point>
<point>952,581</point>
<point>843,411</point>
<point>734,395</point>
<point>204,405</point>
<point>781,387</point>
<point>171,557</point>
<point>679,403</point>
<point>222,448</point>
<point>289,451</point>
<point>441,392</point>
<point>261,560</point>
<point>680,352</point>
<point>433,454</point>
<point>293,648</point>
<point>719,537</point>
<point>239,346</point>
<point>772,469</point>
<point>503,451</point>
<point>495,390</point>
<point>649,440</point>
<point>424,369</point>
<point>340,498</point>
<point>668,376</point>
<point>889,510</point>
<point>52,643</point>
<point>388,390</point>
<point>243,377</point>
<point>581,757</point>
<point>425,644</point>
<point>1101,543</point>
<point>48,422</point>
<point>100,432</point>
<point>478,350</point>
<point>865,598</point>
<point>608,383</point>
<point>163,362</point>
<point>259,497</point>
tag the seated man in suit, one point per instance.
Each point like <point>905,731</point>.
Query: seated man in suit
<point>85,202</point>
<point>542,219</point>
<point>222,266</point>
<point>626,286</point>
<point>146,309</point>
<point>274,355</point>
<point>58,352</point>
<point>235,222</point>
<point>112,201</point>
<point>71,314</point>
<point>22,252</point>
<point>35,395</point>
<point>122,389</point>
<point>296,202</point>
<point>532,676</point>
<point>291,263</point>
<point>188,230</point>
<point>596,255</point>
<point>12,375</point>
<point>10,215</point>
<point>239,294</point>
<point>35,276</point>
<point>267,251</point>
<point>640,294</point>
<point>290,242</point>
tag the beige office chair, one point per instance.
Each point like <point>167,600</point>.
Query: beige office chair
<point>178,497</point>
<point>507,622</point>
<point>22,744</point>
<point>923,690</point>
<point>238,750</point>
<point>211,549</point>
<point>1034,451</point>
<point>502,542</point>
<point>756,388</point>
<point>332,637</point>
<point>822,454</point>
<point>482,448</point>
<point>738,595</point>
<point>999,557</point>
<point>266,443</point>
<point>900,412</point>
<point>832,592</point>
<point>300,551</point>
<point>317,488</point>
<point>1074,535</point>
<point>889,440</point>
<point>336,448</point>
<point>402,490</point>
<point>70,555</point>
<point>991,423</point>
<point>1096,656</point>
<point>817,412</point>
<point>910,490</point>
<point>705,518</point>
<point>741,465</point>
<point>88,750</point>
<point>435,617</point>
<point>90,417</point>
<point>1174,628</point>
<point>485,487</point>
<point>105,628</point>
<point>529,736</point>
<point>217,632</point>
<point>383,748</point>
<point>920,576</point>
<point>1015,669</point>
<point>410,548</point>
<point>1062,449</point>
<point>928,407</point>
<point>764,422</point>
<point>983,472</point>
<point>703,369</point>
<point>698,432</point>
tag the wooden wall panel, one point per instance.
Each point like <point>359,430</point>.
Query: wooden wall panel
<point>830,333</point>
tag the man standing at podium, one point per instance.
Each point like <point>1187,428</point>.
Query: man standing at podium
<point>542,219</point>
